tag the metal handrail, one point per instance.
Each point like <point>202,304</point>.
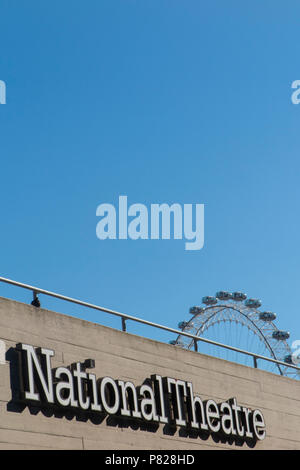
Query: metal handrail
<point>125,316</point>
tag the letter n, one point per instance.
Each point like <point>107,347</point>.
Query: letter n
<point>36,373</point>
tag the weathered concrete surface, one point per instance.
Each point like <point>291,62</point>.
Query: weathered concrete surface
<point>129,357</point>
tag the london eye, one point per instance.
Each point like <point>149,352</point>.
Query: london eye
<point>235,320</point>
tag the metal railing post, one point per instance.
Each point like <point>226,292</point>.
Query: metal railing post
<point>35,302</point>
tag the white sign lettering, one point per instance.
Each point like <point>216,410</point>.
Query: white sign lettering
<point>159,400</point>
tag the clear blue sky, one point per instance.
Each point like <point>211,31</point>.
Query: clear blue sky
<point>162,101</point>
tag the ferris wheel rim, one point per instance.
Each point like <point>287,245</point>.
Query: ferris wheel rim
<point>245,315</point>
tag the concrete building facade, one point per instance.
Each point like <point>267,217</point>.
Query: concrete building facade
<point>42,408</point>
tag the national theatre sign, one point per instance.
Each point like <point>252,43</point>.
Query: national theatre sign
<point>158,400</point>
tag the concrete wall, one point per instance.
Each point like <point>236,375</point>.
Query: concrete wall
<point>129,357</point>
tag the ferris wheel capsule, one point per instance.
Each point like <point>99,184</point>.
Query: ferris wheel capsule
<point>280,334</point>
<point>239,296</point>
<point>223,295</point>
<point>288,359</point>
<point>196,310</point>
<point>182,324</point>
<point>209,300</point>
<point>253,303</point>
<point>267,316</point>
<point>177,342</point>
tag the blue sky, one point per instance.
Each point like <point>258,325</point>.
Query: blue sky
<point>162,101</point>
